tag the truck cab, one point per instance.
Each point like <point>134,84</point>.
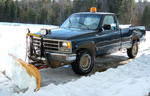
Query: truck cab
<point>81,38</point>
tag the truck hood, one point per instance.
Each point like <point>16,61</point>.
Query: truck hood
<point>66,34</point>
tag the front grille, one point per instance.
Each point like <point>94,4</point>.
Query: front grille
<point>49,45</point>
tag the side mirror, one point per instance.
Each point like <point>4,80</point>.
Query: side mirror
<point>107,27</point>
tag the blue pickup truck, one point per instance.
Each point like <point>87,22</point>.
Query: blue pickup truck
<point>81,38</point>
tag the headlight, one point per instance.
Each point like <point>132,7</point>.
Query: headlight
<point>66,46</point>
<point>44,31</point>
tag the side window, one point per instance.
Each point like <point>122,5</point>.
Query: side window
<point>111,21</point>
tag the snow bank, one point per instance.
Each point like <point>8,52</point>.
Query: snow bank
<point>124,26</point>
<point>13,40</point>
<point>132,79</point>
<point>20,78</point>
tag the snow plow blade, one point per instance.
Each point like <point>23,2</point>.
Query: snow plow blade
<point>31,70</point>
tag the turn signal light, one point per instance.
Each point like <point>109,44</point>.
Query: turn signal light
<point>68,44</point>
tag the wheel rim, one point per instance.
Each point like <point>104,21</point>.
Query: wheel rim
<point>134,50</point>
<point>85,62</point>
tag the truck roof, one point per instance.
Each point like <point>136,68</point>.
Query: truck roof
<point>100,13</point>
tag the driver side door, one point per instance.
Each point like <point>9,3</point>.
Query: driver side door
<point>109,40</point>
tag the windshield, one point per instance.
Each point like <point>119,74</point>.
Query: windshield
<point>82,21</point>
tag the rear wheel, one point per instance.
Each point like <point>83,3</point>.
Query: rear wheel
<point>84,63</point>
<point>132,52</point>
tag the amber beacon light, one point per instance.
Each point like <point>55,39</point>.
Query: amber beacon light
<point>93,9</point>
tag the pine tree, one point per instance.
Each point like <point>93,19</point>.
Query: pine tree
<point>145,17</point>
<point>126,11</point>
<point>2,10</point>
<point>114,6</point>
<point>84,5</point>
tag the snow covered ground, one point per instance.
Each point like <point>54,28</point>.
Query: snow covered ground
<point>131,78</point>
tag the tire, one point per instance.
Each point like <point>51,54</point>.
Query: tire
<point>133,51</point>
<point>84,63</point>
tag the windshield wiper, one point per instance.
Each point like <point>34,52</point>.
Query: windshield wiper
<point>70,23</point>
<point>84,25</point>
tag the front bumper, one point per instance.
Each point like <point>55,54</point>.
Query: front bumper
<point>60,57</point>
<point>56,59</point>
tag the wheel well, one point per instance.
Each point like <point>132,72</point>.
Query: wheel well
<point>135,40</point>
<point>83,49</point>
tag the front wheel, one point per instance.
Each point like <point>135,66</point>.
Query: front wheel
<point>84,63</point>
<point>132,52</point>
